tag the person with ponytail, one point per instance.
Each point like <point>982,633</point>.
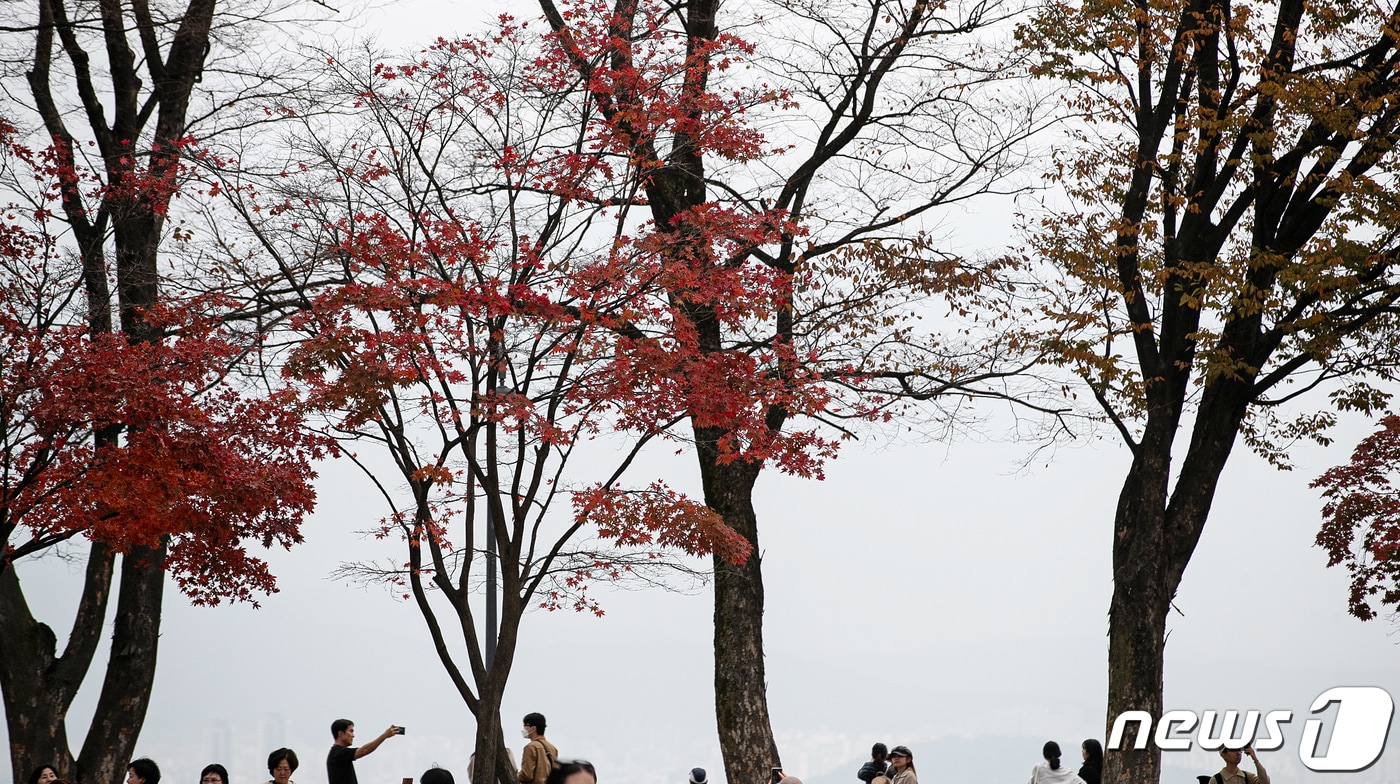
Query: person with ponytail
<point>1051,771</point>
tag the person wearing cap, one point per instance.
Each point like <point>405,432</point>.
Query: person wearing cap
<point>697,776</point>
<point>902,761</point>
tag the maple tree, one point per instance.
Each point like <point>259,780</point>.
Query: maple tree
<point>1227,246</point>
<point>1361,520</point>
<point>113,90</point>
<point>877,114</point>
<point>134,446</point>
<point>488,315</point>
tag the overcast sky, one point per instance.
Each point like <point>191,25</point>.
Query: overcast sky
<point>927,594</point>
<point>923,594</point>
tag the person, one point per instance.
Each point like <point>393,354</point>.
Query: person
<point>902,761</point>
<point>698,776</point>
<point>877,764</point>
<point>510,760</point>
<point>213,774</point>
<point>281,764</point>
<point>1232,770</point>
<point>573,772</point>
<point>142,771</point>
<point>1092,769</point>
<point>44,774</point>
<point>436,775</point>
<point>1051,771</point>
<point>340,762</point>
<point>537,759</point>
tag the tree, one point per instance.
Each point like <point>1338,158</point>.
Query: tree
<point>885,111</point>
<point>1228,246</point>
<point>1360,518</point>
<point>494,310</point>
<point>113,88</point>
<point>138,447</point>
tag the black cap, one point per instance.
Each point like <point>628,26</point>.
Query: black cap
<point>697,776</point>
<point>901,751</point>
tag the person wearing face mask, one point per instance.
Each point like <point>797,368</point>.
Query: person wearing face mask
<point>537,760</point>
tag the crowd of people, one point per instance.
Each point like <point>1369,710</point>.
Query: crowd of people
<point>540,763</point>
<point>896,766</point>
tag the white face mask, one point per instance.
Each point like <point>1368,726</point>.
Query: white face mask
<point>524,733</point>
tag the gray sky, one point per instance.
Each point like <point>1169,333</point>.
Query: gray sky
<point>924,594</point>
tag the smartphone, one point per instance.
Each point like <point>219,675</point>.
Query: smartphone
<point>776,776</point>
<point>399,730</point>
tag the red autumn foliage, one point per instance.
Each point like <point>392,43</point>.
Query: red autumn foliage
<point>1361,519</point>
<point>186,456</point>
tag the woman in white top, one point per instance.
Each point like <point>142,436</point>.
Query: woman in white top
<point>1051,771</point>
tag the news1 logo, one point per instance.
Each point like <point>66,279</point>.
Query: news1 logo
<point>1357,739</point>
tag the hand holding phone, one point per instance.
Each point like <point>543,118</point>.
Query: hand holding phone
<point>776,776</point>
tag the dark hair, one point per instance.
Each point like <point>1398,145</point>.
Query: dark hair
<point>536,720</point>
<point>214,768</point>
<point>340,725</point>
<point>145,769</point>
<point>1095,751</point>
<point>1051,753</point>
<point>39,771</point>
<point>275,758</point>
<point>567,768</point>
<point>436,775</point>
<point>879,751</point>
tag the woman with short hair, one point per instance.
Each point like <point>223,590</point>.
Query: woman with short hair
<point>281,764</point>
<point>213,773</point>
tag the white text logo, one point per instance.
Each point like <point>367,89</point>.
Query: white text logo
<point>1358,733</point>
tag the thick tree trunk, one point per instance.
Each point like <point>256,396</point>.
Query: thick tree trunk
<point>39,687</point>
<point>1141,598</point>
<point>490,748</point>
<point>131,670</point>
<point>741,685</point>
<point>1136,648</point>
<point>1155,535</point>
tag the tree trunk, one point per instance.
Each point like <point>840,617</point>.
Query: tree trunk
<point>131,670</point>
<point>1155,535</point>
<point>39,687</point>
<point>741,685</point>
<point>1137,621</point>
